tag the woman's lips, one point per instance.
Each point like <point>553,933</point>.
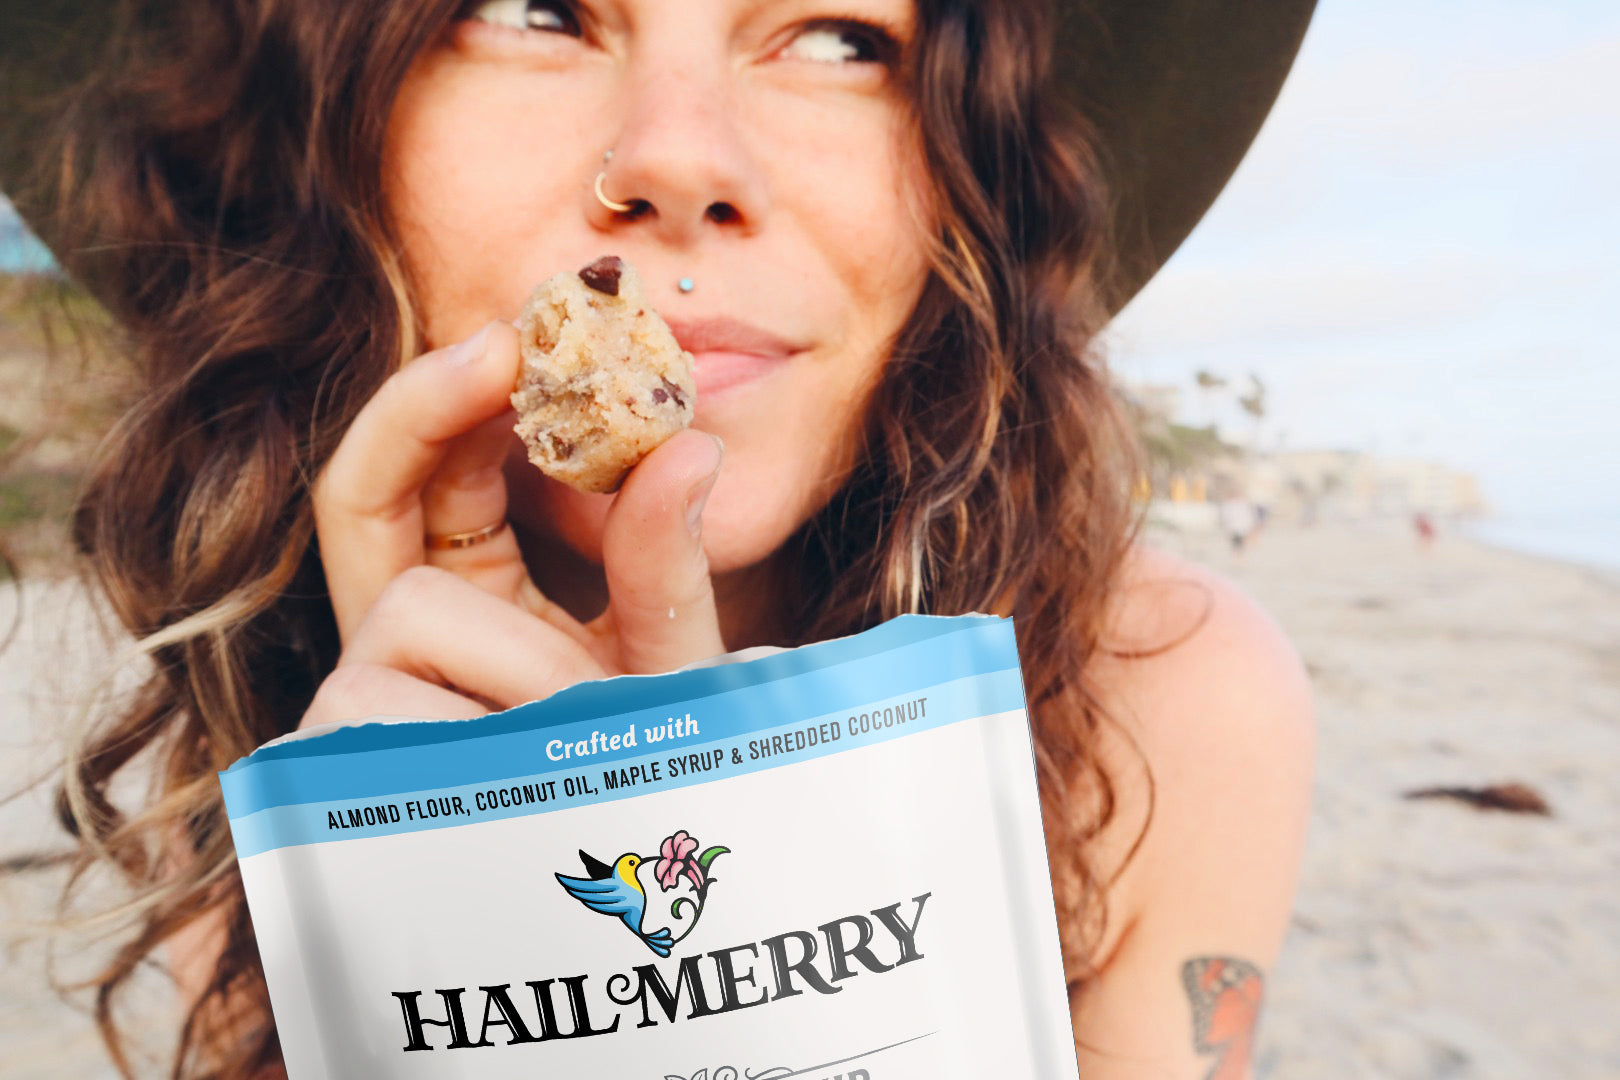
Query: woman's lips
<point>715,371</point>
<point>728,352</point>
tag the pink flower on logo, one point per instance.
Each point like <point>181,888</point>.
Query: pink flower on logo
<point>675,856</point>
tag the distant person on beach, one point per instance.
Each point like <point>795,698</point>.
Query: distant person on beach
<point>1238,520</point>
<point>1424,525</point>
<point>889,231</point>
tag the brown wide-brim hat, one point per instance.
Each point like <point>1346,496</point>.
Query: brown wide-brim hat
<point>1176,90</point>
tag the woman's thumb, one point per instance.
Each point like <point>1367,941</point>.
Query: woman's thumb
<point>660,596</point>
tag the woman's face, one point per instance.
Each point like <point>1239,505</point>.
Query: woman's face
<point>775,165</point>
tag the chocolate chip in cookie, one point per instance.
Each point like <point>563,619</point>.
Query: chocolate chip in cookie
<point>603,275</point>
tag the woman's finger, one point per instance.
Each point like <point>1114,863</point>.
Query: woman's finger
<point>357,691</point>
<point>368,500</point>
<point>465,498</point>
<point>433,625</point>
<point>467,494</point>
<point>661,600</point>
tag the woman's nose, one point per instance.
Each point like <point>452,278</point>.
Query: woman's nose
<point>681,162</point>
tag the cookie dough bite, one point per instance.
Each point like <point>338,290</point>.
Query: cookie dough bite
<point>603,380</point>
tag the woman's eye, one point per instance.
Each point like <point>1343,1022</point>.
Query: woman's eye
<point>553,15</point>
<point>841,42</point>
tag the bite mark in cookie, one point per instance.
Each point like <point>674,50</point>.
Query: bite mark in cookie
<point>603,380</point>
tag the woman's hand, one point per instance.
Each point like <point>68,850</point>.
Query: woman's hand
<point>452,633</point>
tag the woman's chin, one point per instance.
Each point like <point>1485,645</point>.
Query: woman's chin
<point>739,533</point>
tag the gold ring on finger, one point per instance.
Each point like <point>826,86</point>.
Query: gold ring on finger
<point>452,541</point>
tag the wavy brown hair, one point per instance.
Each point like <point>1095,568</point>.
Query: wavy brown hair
<point>221,192</point>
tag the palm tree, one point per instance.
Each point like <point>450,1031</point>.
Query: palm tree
<point>1208,382</point>
<point>1254,403</point>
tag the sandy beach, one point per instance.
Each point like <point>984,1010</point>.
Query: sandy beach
<point>1430,939</point>
<point>52,652</point>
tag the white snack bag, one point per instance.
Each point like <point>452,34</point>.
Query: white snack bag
<point>823,862</point>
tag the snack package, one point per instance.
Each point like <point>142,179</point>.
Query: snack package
<point>819,862</point>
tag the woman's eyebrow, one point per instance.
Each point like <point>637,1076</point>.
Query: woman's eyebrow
<point>899,16</point>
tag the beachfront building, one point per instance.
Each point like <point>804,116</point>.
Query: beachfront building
<point>1348,484</point>
<point>1190,469</point>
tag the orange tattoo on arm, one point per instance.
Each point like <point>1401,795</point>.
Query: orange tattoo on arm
<point>1225,995</point>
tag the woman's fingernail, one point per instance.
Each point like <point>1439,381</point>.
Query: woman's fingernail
<point>700,494</point>
<point>465,352</point>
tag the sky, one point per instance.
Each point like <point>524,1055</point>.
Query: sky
<point>1421,254</point>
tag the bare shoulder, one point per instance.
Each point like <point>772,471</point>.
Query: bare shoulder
<point>1211,744</point>
<point>1181,639</point>
<point>1212,712</point>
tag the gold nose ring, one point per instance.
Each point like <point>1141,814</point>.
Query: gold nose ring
<point>601,196</point>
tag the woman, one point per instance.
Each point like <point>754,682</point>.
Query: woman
<point>882,236</point>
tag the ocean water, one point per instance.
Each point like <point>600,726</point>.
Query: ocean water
<point>20,253</point>
<point>1590,538</point>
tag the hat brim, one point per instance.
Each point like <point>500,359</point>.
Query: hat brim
<point>1175,89</point>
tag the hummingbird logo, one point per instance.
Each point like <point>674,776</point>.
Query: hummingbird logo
<point>636,888</point>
